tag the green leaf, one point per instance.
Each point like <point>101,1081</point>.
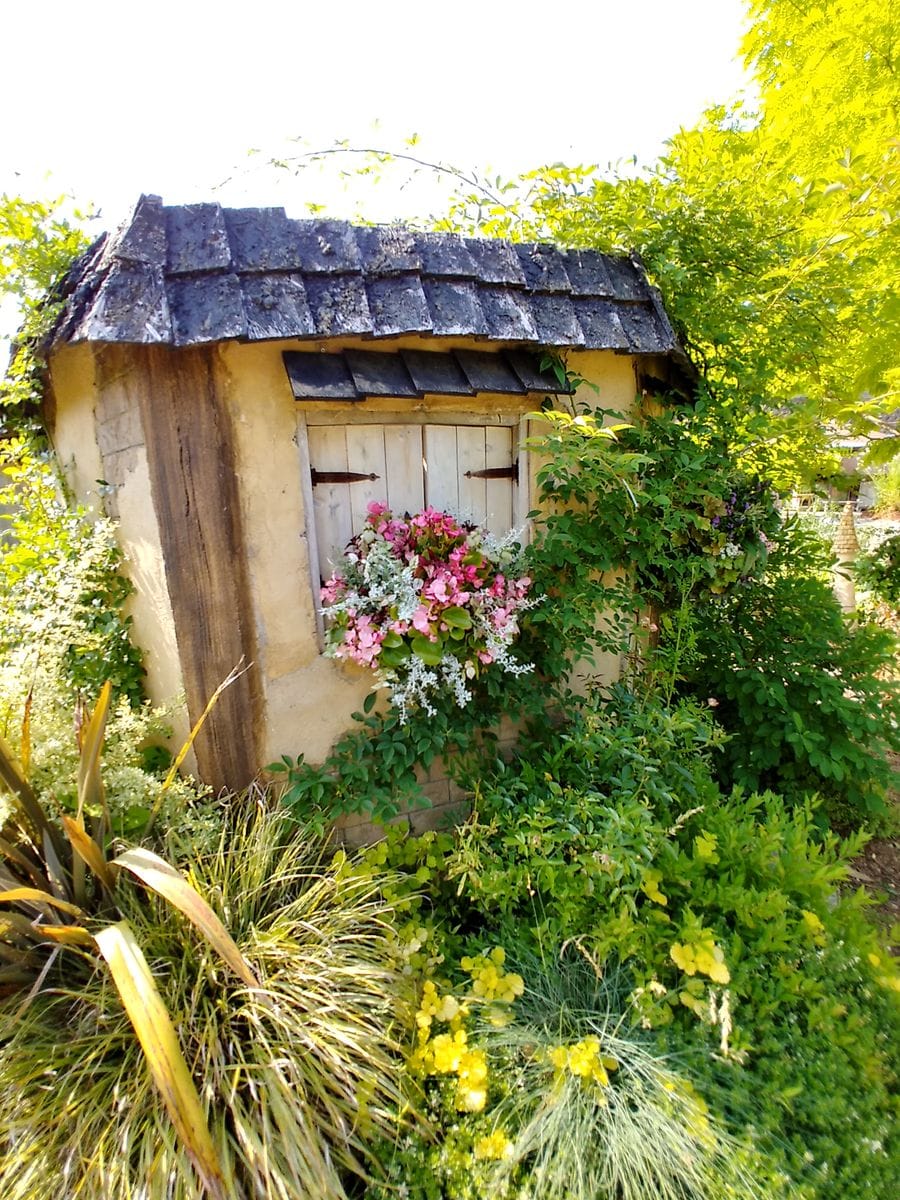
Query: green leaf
<point>457,618</point>
<point>394,656</point>
<point>430,653</point>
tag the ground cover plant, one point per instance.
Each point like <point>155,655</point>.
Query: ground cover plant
<point>712,918</point>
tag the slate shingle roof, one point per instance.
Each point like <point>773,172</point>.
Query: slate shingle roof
<point>197,273</point>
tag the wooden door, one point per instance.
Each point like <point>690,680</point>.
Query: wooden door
<point>468,470</point>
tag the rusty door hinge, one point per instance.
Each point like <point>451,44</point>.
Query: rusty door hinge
<point>510,472</point>
<point>340,476</point>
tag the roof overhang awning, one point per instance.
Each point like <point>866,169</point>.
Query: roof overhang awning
<point>411,374</point>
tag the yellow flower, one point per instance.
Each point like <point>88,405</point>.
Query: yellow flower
<point>471,1099</point>
<point>446,1051</point>
<point>489,981</point>
<point>472,1068</point>
<point>582,1059</point>
<point>448,1010</point>
<point>495,1146</point>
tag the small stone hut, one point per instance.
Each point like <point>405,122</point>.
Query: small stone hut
<point>234,386</point>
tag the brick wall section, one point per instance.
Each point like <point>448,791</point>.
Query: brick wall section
<point>449,804</point>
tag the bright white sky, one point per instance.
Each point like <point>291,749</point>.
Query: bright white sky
<point>105,99</point>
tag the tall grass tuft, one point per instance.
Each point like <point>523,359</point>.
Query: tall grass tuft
<point>295,1078</point>
<point>641,1133</point>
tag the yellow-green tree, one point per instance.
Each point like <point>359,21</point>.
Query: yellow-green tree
<point>773,234</point>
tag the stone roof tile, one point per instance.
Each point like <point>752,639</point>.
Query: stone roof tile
<point>276,307</point>
<point>454,308</point>
<point>196,273</point>
<point>398,305</point>
<point>196,239</point>
<point>206,308</point>
<point>338,305</point>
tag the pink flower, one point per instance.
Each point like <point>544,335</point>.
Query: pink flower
<point>437,588</point>
<point>420,619</point>
<point>332,589</point>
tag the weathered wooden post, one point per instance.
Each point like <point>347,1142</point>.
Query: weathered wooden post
<point>846,549</point>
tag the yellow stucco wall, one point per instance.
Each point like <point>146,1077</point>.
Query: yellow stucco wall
<point>74,435</point>
<point>84,417</point>
<point>307,699</point>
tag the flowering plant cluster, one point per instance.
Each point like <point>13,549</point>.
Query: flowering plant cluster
<point>427,602</point>
<point>738,531</point>
<point>450,1052</point>
<point>584,1060</point>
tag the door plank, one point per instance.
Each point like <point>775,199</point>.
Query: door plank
<point>403,465</point>
<point>470,444</point>
<point>331,501</point>
<point>499,452</point>
<point>365,453</point>
<point>441,468</point>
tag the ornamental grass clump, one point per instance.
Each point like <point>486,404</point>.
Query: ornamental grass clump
<point>427,602</point>
<point>146,1050</point>
<point>592,1111</point>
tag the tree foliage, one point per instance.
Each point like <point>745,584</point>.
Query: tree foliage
<point>773,234</point>
<point>39,240</point>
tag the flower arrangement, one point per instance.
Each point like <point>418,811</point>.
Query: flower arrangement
<point>428,602</point>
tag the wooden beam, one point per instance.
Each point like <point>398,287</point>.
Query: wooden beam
<point>195,495</point>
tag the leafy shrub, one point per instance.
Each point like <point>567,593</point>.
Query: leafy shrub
<point>63,633</point>
<point>61,589</point>
<point>537,1087</point>
<point>878,571</point>
<point>887,488</point>
<point>722,912</point>
<point>804,693</point>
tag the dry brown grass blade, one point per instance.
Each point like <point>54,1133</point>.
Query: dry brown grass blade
<point>33,933</point>
<point>155,1032</point>
<point>37,896</point>
<point>231,678</point>
<point>66,935</point>
<point>13,924</point>
<point>169,883</point>
<point>87,850</point>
